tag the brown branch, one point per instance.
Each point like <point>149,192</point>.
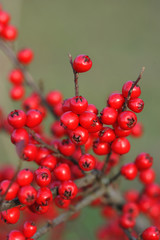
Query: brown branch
<point>105,163</point>
<point>128,234</point>
<point>131,89</point>
<point>76,75</point>
<point>7,50</point>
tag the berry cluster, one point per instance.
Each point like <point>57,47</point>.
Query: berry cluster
<point>79,135</point>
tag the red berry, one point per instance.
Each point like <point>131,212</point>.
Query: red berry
<point>122,132</point>
<point>107,134</point>
<point>109,115</point>
<point>78,104</point>
<point>66,147</point>
<point>49,161</point>
<point>54,97</point>
<point>17,118</point>
<point>12,191</point>
<point>143,161</point>
<point>34,118</point>
<point>151,233</point>
<point>129,171</point>
<point>43,176</point>
<point>68,190</point>
<point>101,148</point>
<point>27,195</point>
<point>137,130</point>
<point>131,208</point>
<point>79,136</point>
<point>17,92</point>
<point>39,209</point>
<point>30,152</point>
<point>61,202</point>
<point>82,63</point>
<point>136,105</point>
<point>66,105</point>
<point>136,92</point>
<point>24,177</point>
<point>57,109</point>
<point>29,229</point>
<point>20,135</point>
<point>16,77</point>
<point>4,17</point>
<point>9,33</point>
<point>62,172</point>
<point>44,196</point>
<point>120,145</point>
<point>92,108</point>
<point>127,221</point>
<point>69,120</point>
<point>87,162</point>
<point>147,176</point>
<point>116,100</point>
<point>11,215</point>
<point>25,56</point>
<point>15,235</point>
<point>87,119</point>
<point>57,130</point>
<point>42,153</point>
<point>127,120</point>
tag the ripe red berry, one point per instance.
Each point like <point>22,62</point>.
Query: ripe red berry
<point>87,162</point>
<point>17,118</point>
<point>16,77</point>
<point>136,92</point>
<point>92,108</point>
<point>44,196</point>
<point>69,120</point>
<point>120,145</point>
<point>24,177</point>
<point>87,119</point>
<point>82,63</point>
<point>29,229</point>
<point>9,33</point>
<point>122,132</point>
<point>34,118</point>
<point>127,221</point>
<point>62,172</point>
<point>131,208</point>
<point>147,176</point>
<point>66,105</point>
<point>116,100</point>
<point>136,105</point>
<point>57,109</point>
<point>12,191</point>
<point>66,147</point>
<point>143,161</point>
<point>42,153</point>
<point>78,104</point>
<point>137,130</point>
<point>39,209</point>
<point>11,215</point>
<point>79,136</point>
<point>101,148</point>
<point>17,92</point>
<point>109,115</point>
<point>20,135</point>
<point>16,235</point>
<point>127,120</point>
<point>61,202</point>
<point>49,161</point>
<point>151,233</point>
<point>27,195</point>
<point>54,97</point>
<point>57,130</point>
<point>25,56</point>
<point>68,190</point>
<point>106,134</point>
<point>30,152</point>
<point>129,171</point>
<point>4,17</point>
<point>152,190</point>
<point>43,176</point>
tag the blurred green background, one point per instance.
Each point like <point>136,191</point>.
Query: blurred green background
<point>119,36</point>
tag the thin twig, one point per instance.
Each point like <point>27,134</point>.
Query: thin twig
<point>76,75</point>
<point>128,234</point>
<point>105,163</point>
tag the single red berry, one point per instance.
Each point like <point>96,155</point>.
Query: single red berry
<point>39,209</point>
<point>57,130</point>
<point>120,145</point>
<point>127,120</point>
<point>106,134</point>
<point>116,100</point>
<point>122,132</point>
<point>30,152</point>
<point>137,130</point>
<point>20,135</point>
<point>132,195</point>
<point>29,229</point>
<point>87,119</point>
<point>27,195</point>
<point>82,63</point>
<point>57,109</point>
<point>25,56</point>
<point>152,190</point>
<point>96,127</point>
<point>147,176</point>
<point>127,221</point>
<point>136,92</point>
<point>92,108</point>
<point>44,196</point>
<point>61,202</point>
<point>24,177</point>
<point>69,120</point>
<point>114,159</point>
<point>11,192</point>
<point>136,105</point>
<point>79,136</point>
<point>131,208</point>
<point>78,104</point>
<point>66,147</point>
<point>101,148</point>
<point>11,215</point>
<point>9,33</point>
<point>54,97</point>
<point>17,118</point>
<point>4,17</point>
<point>43,176</point>
<point>68,190</point>
<point>49,161</point>
<point>15,235</point>
<point>34,118</point>
<point>17,92</point>
<point>129,171</point>
<point>31,102</point>
<point>42,153</point>
<point>66,105</point>
<point>87,162</point>
<point>62,172</point>
<point>151,233</point>
<point>16,77</point>
<point>143,161</point>
<point>109,115</point>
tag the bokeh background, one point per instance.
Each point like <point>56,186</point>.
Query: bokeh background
<point>119,36</point>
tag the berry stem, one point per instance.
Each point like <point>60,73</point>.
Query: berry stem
<point>76,75</point>
<point>128,234</point>
<point>105,163</point>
